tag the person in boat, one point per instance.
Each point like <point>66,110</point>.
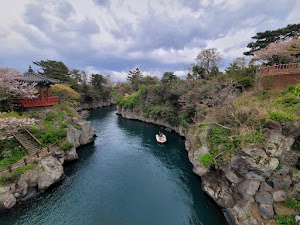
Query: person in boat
<point>160,134</point>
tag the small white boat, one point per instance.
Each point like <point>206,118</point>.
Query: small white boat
<point>161,138</point>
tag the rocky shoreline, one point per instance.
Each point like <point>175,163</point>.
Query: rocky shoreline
<point>48,171</point>
<point>258,179</point>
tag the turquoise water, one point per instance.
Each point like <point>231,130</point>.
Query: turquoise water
<point>124,178</point>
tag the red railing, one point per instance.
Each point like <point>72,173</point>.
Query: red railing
<point>290,68</point>
<point>33,102</point>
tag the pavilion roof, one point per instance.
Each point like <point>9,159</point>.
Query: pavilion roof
<point>32,77</point>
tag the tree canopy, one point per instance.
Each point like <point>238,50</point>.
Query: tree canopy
<point>263,39</point>
<point>208,60</point>
<point>54,69</point>
<point>135,78</point>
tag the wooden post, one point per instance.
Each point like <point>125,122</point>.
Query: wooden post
<point>25,161</point>
<point>41,93</point>
<point>37,154</point>
<point>9,169</point>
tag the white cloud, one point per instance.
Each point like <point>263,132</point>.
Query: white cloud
<point>112,36</point>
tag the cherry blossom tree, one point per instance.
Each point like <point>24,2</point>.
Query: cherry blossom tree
<point>281,51</point>
<point>11,87</point>
<point>8,125</point>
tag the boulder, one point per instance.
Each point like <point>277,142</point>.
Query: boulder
<point>74,136</point>
<point>295,176</point>
<point>219,189</point>
<point>277,144</point>
<point>21,186</point>
<point>231,176</point>
<point>291,129</point>
<point>45,181</point>
<point>266,211</point>
<point>274,126</point>
<point>279,182</point>
<point>263,197</point>
<point>31,177</point>
<point>71,155</point>
<point>52,172</point>
<point>284,170</point>
<point>297,187</point>
<point>87,133</point>
<point>264,186</point>
<point>250,168</point>
<point>248,188</point>
<point>279,196</point>
<point>194,156</point>
<point>289,158</point>
<point>7,199</point>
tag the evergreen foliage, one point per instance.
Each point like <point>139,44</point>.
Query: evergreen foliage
<point>263,39</point>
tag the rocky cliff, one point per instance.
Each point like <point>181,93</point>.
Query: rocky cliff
<point>94,105</point>
<point>48,170</point>
<point>252,187</point>
<point>258,179</point>
<point>134,115</point>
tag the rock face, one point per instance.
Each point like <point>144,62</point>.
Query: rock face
<point>96,104</point>
<point>253,177</point>
<point>130,114</point>
<point>52,172</point>
<point>82,136</point>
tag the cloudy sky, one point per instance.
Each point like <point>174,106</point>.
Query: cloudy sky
<point>112,37</point>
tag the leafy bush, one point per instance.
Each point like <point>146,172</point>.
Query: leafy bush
<point>281,116</point>
<point>285,220</point>
<point>66,145</point>
<point>221,144</point>
<point>65,94</point>
<point>297,90</point>
<point>48,123</point>
<point>10,152</point>
<point>293,203</point>
<point>255,138</point>
<point>164,112</point>
<point>53,135</point>
<point>50,116</point>
<point>64,124</point>
<point>206,159</point>
<point>34,128</point>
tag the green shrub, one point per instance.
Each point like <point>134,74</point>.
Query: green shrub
<point>53,135</point>
<point>10,152</point>
<point>285,220</point>
<point>221,144</point>
<point>77,126</point>
<point>287,102</point>
<point>66,145</point>
<point>34,128</point>
<point>206,159</point>
<point>281,116</point>
<point>297,90</point>
<point>48,123</point>
<point>293,203</point>
<point>50,116</point>
<point>255,138</point>
<point>64,124</point>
